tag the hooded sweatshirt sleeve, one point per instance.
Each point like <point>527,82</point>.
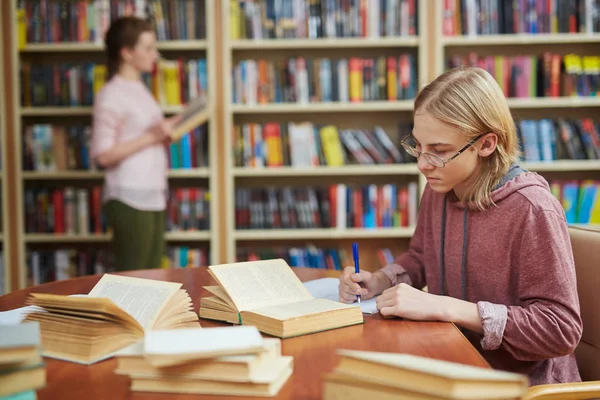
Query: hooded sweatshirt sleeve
<point>546,323</point>
<point>409,267</point>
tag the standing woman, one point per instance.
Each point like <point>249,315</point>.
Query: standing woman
<point>129,142</point>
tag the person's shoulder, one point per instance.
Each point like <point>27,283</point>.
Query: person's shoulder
<point>540,198</point>
<point>109,97</point>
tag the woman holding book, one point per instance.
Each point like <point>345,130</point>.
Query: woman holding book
<point>491,242</point>
<point>129,142</point>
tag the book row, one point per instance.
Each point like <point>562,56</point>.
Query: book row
<point>545,75</point>
<point>493,17</point>
<point>336,206</point>
<point>80,21</point>
<point>172,82</point>
<point>65,263</point>
<point>310,256</point>
<point>313,19</point>
<point>580,200</point>
<point>305,144</point>
<point>548,140</point>
<point>305,80</point>
<point>72,210</point>
<point>49,147</point>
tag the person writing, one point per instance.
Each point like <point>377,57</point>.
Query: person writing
<point>129,141</point>
<point>491,242</point>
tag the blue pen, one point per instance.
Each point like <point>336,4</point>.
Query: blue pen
<point>356,268</point>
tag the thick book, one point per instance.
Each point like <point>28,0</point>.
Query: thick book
<point>196,113</point>
<point>237,368</point>
<point>369,373</point>
<point>268,295</point>
<point>117,312</point>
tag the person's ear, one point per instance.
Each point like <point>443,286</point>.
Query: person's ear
<point>487,144</point>
<point>126,54</point>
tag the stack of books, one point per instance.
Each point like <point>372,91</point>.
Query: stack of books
<point>375,375</point>
<point>232,361</point>
<point>22,368</point>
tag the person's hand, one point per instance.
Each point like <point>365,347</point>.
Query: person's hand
<point>349,287</point>
<point>407,302</point>
<point>162,131</point>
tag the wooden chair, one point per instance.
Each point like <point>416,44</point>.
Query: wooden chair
<point>586,249</point>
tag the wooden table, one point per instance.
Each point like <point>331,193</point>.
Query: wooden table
<point>313,355</point>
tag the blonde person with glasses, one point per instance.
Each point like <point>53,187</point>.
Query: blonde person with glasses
<point>491,242</point>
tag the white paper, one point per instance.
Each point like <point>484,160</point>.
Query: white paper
<point>327,288</point>
<point>202,340</point>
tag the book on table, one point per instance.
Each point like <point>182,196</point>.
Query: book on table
<point>268,295</point>
<point>364,374</point>
<point>22,369</point>
<point>252,365</point>
<point>117,312</point>
<point>196,113</point>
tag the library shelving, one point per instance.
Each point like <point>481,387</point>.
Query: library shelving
<point>264,57</point>
<point>4,236</point>
<point>543,58</point>
<point>190,42</point>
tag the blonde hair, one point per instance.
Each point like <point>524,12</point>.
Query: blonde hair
<point>470,99</point>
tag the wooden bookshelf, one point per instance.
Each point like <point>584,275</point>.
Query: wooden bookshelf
<point>5,271</point>
<point>364,114</point>
<point>197,177</point>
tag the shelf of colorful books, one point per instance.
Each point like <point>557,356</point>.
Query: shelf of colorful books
<point>563,165</point>
<point>324,43</point>
<point>346,170</point>
<point>323,233</point>
<point>174,45</point>
<point>322,107</point>
<point>520,39</point>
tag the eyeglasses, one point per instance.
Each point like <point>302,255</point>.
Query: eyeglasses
<point>432,159</point>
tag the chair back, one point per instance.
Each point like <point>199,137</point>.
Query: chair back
<point>586,251</point>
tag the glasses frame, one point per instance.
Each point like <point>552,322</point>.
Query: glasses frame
<point>410,150</point>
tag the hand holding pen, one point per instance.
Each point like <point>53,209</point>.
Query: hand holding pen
<point>356,283</point>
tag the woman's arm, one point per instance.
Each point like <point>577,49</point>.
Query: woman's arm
<point>545,324</point>
<point>108,117</point>
<point>123,150</point>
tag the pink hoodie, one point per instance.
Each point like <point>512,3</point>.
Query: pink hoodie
<point>515,261</point>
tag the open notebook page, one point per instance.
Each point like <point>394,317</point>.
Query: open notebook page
<point>327,288</point>
<point>256,284</point>
<point>143,299</point>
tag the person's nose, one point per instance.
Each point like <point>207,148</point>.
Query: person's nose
<point>423,164</point>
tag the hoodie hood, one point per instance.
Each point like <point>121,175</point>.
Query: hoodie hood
<point>515,179</point>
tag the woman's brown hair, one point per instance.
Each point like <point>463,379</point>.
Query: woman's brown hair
<point>123,32</point>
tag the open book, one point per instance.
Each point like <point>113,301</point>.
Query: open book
<point>268,295</point>
<point>195,114</point>
<point>117,312</point>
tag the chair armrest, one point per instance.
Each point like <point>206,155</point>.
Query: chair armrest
<point>565,391</point>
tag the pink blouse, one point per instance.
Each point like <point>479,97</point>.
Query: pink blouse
<point>124,110</point>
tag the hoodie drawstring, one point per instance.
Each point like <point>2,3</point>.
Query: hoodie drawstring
<point>463,264</point>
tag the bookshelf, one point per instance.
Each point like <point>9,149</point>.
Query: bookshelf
<point>363,114</point>
<point>4,235</point>
<point>554,37</point>
<point>93,51</point>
